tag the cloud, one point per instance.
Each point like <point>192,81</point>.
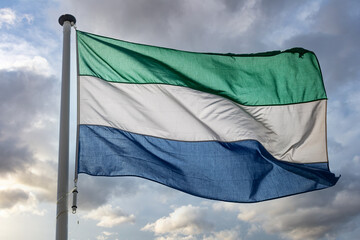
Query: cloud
<point>221,26</point>
<point>28,116</point>
<point>106,235</point>
<point>7,16</point>
<point>17,53</point>
<point>108,217</point>
<point>343,112</point>
<point>22,205</point>
<point>185,220</point>
<point>13,157</point>
<point>24,174</point>
<point>29,103</point>
<point>29,109</point>
<point>176,237</point>
<point>224,235</point>
<point>11,197</point>
<point>97,191</point>
<point>190,222</point>
<point>39,179</point>
<point>22,46</point>
<point>190,25</point>
<point>141,17</point>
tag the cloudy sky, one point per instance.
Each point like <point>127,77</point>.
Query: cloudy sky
<point>131,208</point>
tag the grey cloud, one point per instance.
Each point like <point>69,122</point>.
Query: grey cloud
<point>189,25</point>
<point>142,17</point>
<point>97,191</point>
<point>338,18</point>
<point>277,8</point>
<point>340,206</point>
<point>25,99</point>
<point>43,181</point>
<point>200,26</point>
<point>13,157</point>
<point>10,198</point>
<point>27,102</point>
<point>23,95</point>
<point>233,5</point>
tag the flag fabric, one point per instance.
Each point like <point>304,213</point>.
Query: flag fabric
<point>231,127</point>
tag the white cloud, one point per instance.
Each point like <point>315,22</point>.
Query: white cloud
<point>7,16</point>
<point>108,217</point>
<point>185,220</point>
<point>25,51</point>
<point>109,233</point>
<point>224,235</point>
<point>106,235</point>
<point>176,237</point>
<point>18,54</point>
<point>29,18</point>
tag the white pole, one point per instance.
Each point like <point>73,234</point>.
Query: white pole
<point>63,166</point>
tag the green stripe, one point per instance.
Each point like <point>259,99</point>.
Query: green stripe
<point>272,78</point>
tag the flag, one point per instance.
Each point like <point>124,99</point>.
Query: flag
<point>231,127</point>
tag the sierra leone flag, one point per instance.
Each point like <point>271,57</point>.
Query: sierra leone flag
<point>232,127</point>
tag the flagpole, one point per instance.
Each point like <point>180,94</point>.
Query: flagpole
<point>66,21</point>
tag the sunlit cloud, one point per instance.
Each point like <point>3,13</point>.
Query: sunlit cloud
<point>19,54</point>
<point>185,220</point>
<point>107,235</point>
<point>224,235</point>
<point>26,203</point>
<point>108,217</point>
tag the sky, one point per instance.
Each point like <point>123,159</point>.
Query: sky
<point>133,208</point>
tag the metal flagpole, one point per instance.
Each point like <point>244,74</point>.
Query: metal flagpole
<point>66,21</point>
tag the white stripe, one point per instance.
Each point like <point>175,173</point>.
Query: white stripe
<point>294,133</point>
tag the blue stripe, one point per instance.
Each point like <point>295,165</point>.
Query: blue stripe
<point>237,171</point>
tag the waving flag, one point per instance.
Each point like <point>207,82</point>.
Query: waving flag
<point>232,127</point>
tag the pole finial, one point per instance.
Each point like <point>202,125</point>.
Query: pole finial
<point>67,17</point>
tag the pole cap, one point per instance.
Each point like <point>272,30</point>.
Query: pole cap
<point>67,17</point>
